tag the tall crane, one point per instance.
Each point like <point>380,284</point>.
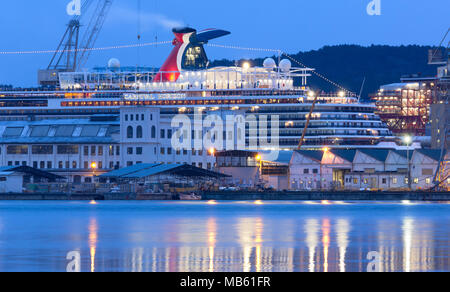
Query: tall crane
<point>308,120</point>
<point>72,54</point>
<point>443,170</point>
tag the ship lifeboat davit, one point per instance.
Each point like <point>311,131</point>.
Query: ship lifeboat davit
<point>188,52</point>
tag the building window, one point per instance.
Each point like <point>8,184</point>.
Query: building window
<point>163,150</point>
<point>185,152</point>
<point>100,165</point>
<point>131,117</point>
<point>428,181</point>
<point>395,180</point>
<point>86,150</point>
<point>143,117</point>
<point>17,150</point>
<point>111,150</point>
<point>67,149</point>
<point>67,164</point>
<point>130,151</point>
<point>137,117</point>
<point>93,150</point>
<point>42,165</point>
<point>111,165</point>
<point>129,163</point>
<point>306,171</point>
<point>169,151</point>
<point>10,163</point>
<point>60,165</point>
<point>416,180</point>
<point>153,132</point>
<point>130,133</point>
<point>315,171</point>
<point>384,181</point>
<point>86,165</point>
<point>35,164</point>
<point>74,164</point>
<point>117,150</point>
<point>139,132</point>
<point>49,165</point>
<point>139,150</point>
<point>163,134</point>
<point>126,118</point>
<point>355,181</point>
<point>42,149</point>
<point>100,150</point>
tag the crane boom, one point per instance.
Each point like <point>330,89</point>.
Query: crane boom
<point>308,120</point>
<point>93,31</point>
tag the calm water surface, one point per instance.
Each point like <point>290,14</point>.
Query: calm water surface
<point>224,236</point>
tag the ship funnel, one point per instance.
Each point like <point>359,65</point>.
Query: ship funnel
<point>188,53</point>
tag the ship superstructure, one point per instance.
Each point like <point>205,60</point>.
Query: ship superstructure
<point>186,84</point>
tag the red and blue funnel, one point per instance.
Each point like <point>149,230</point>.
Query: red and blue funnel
<point>188,54</point>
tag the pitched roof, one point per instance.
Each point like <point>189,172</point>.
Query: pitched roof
<point>434,154</point>
<point>313,154</point>
<point>379,154</point>
<point>348,155</point>
<point>284,157</point>
<point>145,170</point>
<point>128,170</point>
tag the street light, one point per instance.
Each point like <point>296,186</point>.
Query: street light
<point>408,140</point>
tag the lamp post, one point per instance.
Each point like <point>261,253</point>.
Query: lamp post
<point>94,167</point>
<point>408,140</point>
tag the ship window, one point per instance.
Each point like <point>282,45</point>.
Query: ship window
<point>195,57</point>
<point>40,131</point>
<point>17,149</point>
<point>13,132</point>
<point>42,149</point>
<point>90,131</point>
<point>67,149</point>
<point>64,131</point>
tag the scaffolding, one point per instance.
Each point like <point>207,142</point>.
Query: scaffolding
<point>405,107</point>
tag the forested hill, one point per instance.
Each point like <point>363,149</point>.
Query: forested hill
<point>349,64</point>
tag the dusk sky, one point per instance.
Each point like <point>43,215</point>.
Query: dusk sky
<point>289,25</point>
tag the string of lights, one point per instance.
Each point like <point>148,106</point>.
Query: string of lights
<point>319,75</point>
<point>279,52</point>
<point>82,49</point>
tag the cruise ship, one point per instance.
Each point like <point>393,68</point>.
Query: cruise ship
<point>186,84</point>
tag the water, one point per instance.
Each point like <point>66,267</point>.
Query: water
<point>224,236</point>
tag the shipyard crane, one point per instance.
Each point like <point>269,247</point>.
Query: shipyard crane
<point>443,169</point>
<point>308,120</point>
<point>72,54</point>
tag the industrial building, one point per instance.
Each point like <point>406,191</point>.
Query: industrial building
<point>354,170</point>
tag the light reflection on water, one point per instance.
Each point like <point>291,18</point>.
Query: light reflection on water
<point>218,236</point>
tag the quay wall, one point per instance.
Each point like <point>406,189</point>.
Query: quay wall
<point>329,196</point>
<point>240,196</point>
